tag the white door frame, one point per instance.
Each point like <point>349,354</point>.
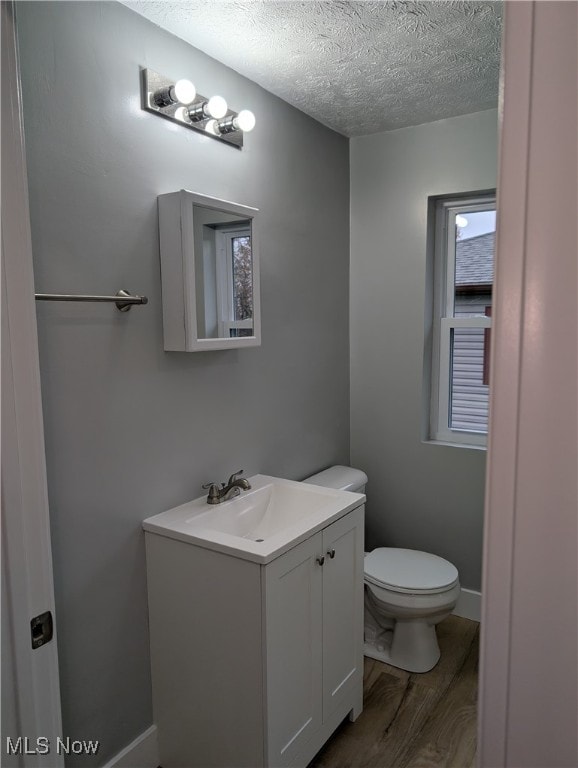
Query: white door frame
<point>514,719</point>
<point>27,564</point>
<point>529,677</point>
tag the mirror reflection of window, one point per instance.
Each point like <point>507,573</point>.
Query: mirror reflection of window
<point>235,280</point>
<point>224,274</point>
<point>242,278</point>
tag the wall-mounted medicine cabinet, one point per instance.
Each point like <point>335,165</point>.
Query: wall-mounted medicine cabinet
<point>209,273</point>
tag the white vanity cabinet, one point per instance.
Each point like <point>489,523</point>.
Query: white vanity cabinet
<point>314,626</point>
<point>255,664</point>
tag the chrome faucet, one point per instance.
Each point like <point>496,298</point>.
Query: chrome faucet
<point>228,490</point>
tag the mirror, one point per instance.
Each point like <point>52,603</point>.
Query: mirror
<point>210,273</point>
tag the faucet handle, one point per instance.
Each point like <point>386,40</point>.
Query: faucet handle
<point>213,489</point>
<point>234,476</point>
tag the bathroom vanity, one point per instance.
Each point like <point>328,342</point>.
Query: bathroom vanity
<point>256,622</point>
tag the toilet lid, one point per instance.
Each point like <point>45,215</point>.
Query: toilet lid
<point>407,570</point>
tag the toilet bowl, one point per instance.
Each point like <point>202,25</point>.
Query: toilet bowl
<point>407,592</point>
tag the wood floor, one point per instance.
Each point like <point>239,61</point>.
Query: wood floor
<point>415,721</point>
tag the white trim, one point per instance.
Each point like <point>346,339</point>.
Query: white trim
<point>469,605</point>
<point>480,321</point>
<point>25,520</point>
<point>500,492</point>
<point>143,752</point>
<point>221,281</point>
<point>528,707</point>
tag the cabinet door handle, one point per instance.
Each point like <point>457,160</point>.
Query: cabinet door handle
<point>321,559</point>
<point>331,553</point>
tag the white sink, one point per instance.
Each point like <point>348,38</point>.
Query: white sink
<point>261,512</point>
<point>259,524</point>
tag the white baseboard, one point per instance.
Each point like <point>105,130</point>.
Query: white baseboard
<point>469,605</point>
<point>143,752</point>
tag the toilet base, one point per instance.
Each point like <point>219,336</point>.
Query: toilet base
<point>408,642</point>
<point>412,646</point>
<point>400,628</point>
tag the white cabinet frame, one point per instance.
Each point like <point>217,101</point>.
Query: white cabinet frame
<point>179,278</point>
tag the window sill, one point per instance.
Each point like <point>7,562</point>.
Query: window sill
<point>450,444</point>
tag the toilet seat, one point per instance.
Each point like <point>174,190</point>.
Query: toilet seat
<point>409,571</point>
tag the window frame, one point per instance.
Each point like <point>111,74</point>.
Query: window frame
<point>445,321</point>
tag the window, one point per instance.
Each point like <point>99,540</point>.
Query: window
<point>463,279</point>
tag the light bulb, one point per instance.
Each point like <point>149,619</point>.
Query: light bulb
<point>461,221</point>
<point>216,107</point>
<point>211,127</point>
<point>245,121</point>
<point>181,114</point>
<point>184,91</point>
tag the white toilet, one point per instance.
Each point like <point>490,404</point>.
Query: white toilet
<point>406,592</point>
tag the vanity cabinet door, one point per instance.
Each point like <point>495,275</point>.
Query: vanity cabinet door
<point>293,599</point>
<point>342,611</point>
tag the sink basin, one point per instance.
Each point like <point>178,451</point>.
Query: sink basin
<point>261,512</point>
<point>260,524</point>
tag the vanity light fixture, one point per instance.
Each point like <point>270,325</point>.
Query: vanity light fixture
<point>180,103</point>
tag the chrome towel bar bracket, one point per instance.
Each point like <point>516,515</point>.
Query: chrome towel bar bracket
<point>123,299</point>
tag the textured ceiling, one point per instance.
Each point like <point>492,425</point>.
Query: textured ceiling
<point>358,67</point>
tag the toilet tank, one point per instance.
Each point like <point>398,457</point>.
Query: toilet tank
<point>341,478</point>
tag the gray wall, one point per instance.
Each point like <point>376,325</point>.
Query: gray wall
<point>420,496</point>
<point>132,430</point>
